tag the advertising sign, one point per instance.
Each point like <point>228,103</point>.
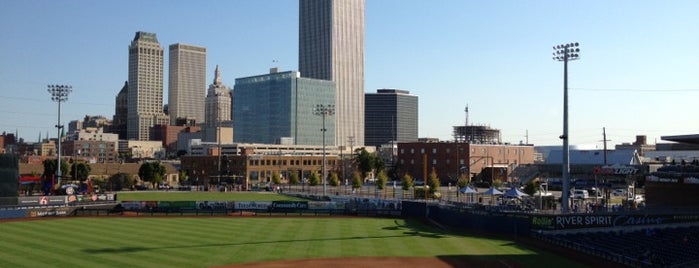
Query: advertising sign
<point>291,205</point>
<point>593,221</point>
<point>253,205</point>
<point>42,200</point>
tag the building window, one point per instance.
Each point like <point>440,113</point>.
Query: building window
<point>401,151</point>
<point>422,150</point>
<point>412,151</point>
<point>434,150</point>
<point>412,161</point>
<point>448,150</point>
<point>434,161</point>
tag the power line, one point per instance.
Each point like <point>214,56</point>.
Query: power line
<point>42,100</point>
<point>637,90</point>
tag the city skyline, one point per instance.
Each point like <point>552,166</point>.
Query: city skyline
<point>634,76</point>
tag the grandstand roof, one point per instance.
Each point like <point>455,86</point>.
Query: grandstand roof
<point>595,157</point>
<point>691,139</point>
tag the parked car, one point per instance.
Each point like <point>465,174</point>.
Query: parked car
<point>619,192</point>
<point>638,199</point>
<point>580,194</point>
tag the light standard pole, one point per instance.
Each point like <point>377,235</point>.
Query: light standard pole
<point>59,93</point>
<point>565,53</point>
<point>323,111</point>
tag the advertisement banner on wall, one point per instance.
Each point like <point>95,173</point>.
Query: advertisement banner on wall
<point>42,200</point>
<point>215,205</point>
<point>322,205</point>
<point>252,205</point>
<point>47,212</point>
<point>563,222</point>
<point>290,205</point>
<point>90,198</point>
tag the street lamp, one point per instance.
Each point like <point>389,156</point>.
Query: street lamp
<point>565,53</point>
<point>324,110</point>
<point>59,93</point>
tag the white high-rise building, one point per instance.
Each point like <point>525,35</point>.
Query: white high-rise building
<point>186,83</point>
<point>218,102</point>
<point>331,47</point>
<point>218,125</point>
<point>145,87</point>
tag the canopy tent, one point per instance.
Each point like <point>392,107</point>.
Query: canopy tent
<point>468,190</point>
<point>514,193</point>
<point>492,191</point>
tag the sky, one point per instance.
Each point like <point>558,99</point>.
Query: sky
<point>636,75</point>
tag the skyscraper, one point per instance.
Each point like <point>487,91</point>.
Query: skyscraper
<point>391,115</point>
<point>277,108</point>
<point>218,101</point>
<point>331,47</point>
<point>145,93</point>
<point>186,83</point>
<point>218,111</point>
<point>121,111</point>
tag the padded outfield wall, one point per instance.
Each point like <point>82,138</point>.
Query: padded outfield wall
<point>9,179</point>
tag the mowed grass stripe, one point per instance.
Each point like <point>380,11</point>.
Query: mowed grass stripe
<point>66,240</point>
<point>45,253</point>
<point>202,242</point>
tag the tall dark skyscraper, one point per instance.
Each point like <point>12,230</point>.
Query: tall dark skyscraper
<point>331,47</point>
<point>391,115</point>
<point>121,110</point>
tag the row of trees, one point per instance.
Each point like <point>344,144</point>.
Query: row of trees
<point>153,172</point>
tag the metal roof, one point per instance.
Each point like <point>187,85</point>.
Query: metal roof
<point>593,157</point>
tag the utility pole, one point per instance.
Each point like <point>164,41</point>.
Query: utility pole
<point>605,140</point>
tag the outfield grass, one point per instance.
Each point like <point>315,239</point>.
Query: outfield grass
<point>203,242</point>
<point>202,196</point>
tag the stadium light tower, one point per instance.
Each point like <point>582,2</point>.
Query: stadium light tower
<point>59,93</point>
<point>565,53</point>
<point>324,110</point>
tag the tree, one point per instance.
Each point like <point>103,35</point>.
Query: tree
<point>531,187</point>
<point>433,182</point>
<point>381,180</point>
<point>334,180</point>
<point>356,180</point>
<point>184,178</point>
<point>368,162</point>
<point>50,168</point>
<point>406,183</point>
<point>314,179</point>
<point>463,181</point>
<point>118,181</point>
<point>276,178</point>
<point>80,171</point>
<point>294,178</point>
<point>152,172</point>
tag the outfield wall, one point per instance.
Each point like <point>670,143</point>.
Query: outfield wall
<point>522,223</point>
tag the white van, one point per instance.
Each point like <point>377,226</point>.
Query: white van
<point>580,194</point>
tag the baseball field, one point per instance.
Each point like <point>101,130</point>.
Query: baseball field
<point>263,241</point>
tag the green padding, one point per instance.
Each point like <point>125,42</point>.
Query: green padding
<point>9,161</point>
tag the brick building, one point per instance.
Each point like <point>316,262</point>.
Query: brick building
<point>450,160</point>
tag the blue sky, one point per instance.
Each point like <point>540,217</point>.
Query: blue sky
<point>637,73</point>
